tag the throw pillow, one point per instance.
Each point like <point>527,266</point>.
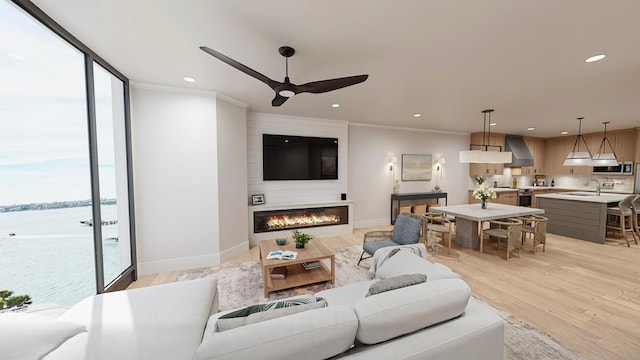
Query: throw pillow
<point>268,315</point>
<point>241,316</point>
<point>29,336</point>
<point>396,282</point>
<point>406,230</point>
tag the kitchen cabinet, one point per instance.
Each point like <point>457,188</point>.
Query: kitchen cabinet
<point>625,144</point>
<point>487,169</point>
<point>507,197</point>
<point>556,150</point>
<point>536,147</point>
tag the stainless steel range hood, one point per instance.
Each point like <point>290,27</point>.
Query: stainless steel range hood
<point>521,154</point>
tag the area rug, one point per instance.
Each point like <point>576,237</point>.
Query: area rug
<point>241,285</point>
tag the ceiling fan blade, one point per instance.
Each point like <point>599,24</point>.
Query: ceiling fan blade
<point>318,87</point>
<point>245,69</point>
<point>278,100</point>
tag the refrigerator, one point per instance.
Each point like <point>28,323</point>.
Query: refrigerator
<point>637,187</point>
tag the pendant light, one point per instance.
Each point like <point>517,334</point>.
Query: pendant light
<point>484,156</point>
<point>602,158</point>
<point>577,157</point>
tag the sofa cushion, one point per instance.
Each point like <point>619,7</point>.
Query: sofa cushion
<point>402,311</point>
<point>156,322</point>
<point>406,262</point>
<point>30,336</point>
<point>313,334</point>
<point>406,230</point>
<point>346,295</point>
<point>396,282</point>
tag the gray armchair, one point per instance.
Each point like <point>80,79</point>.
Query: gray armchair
<point>408,229</point>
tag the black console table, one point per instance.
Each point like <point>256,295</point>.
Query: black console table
<point>397,199</point>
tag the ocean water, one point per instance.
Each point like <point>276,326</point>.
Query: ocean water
<point>50,257</point>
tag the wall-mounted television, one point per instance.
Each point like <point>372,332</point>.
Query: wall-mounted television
<point>286,157</point>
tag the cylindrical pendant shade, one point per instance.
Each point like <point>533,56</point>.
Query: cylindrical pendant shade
<point>485,157</point>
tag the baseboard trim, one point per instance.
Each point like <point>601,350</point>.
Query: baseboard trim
<point>178,264</point>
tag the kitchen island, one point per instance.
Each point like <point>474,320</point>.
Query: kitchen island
<point>580,215</point>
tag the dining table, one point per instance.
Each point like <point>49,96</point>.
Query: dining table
<point>470,218</point>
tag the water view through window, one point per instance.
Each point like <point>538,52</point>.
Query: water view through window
<point>46,222</point>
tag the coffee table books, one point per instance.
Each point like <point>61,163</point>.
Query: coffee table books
<point>311,265</point>
<point>279,272</point>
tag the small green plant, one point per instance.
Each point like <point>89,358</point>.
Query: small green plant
<point>8,301</point>
<point>480,180</point>
<point>300,238</point>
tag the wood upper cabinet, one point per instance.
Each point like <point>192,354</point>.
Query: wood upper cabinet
<point>638,144</point>
<point>536,147</point>
<point>625,145</point>
<point>487,169</point>
<point>556,150</point>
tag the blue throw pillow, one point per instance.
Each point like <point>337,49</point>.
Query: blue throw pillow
<point>406,230</point>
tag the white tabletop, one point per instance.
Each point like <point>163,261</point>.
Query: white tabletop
<point>493,211</point>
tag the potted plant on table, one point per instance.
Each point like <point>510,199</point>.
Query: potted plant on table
<point>484,193</point>
<point>300,238</point>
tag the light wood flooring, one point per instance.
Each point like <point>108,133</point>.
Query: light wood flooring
<point>585,295</point>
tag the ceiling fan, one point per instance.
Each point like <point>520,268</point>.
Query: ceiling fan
<point>285,90</point>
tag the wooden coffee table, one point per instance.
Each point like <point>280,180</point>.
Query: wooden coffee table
<point>314,250</point>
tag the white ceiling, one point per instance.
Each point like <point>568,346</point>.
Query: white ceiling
<point>445,59</point>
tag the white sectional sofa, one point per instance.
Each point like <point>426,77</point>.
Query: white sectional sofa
<point>435,319</point>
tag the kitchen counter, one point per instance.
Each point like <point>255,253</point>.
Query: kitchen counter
<point>605,198</point>
<point>580,215</point>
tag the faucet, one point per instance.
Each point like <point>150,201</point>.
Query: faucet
<point>597,185</point>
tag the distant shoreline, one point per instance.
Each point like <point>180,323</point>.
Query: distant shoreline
<point>52,205</point>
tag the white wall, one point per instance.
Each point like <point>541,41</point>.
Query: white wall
<point>370,181</point>
<point>294,192</point>
<point>176,177</point>
<point>232,178</point>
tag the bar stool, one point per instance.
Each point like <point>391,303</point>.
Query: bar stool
<point>535,226</point>
<point>635,207</point>
<point>509,229</point>
<point>620,218</point>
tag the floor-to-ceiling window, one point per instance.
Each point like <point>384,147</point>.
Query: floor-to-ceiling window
<point>66,228</point>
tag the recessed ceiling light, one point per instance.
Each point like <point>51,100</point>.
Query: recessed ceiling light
<point>189,79</point>
<point>564,132</point>
<point>531,128</point>
<point>335,105</point>
<point>493,124</point>
<point>596,58</point>
<point>417,115</point>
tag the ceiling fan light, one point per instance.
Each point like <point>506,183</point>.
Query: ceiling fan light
<point>286,93</point>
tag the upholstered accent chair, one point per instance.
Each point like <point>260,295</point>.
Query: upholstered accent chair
<point>408,229</point>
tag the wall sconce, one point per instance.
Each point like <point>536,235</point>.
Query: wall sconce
<point>441,161</point>
<point>392,162</point>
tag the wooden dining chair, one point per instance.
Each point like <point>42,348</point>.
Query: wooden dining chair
<point>534,227</point>
<point>438,223</point>
<point>509,230</point>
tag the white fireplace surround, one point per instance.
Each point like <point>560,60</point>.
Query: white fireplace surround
<point>320,231</point>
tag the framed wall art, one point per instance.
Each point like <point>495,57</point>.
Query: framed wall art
<point>257,199</point>
<point>416,167</point>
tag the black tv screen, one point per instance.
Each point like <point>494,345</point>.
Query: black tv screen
<point>286,157</point>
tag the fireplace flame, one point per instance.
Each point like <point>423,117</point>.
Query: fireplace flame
<point>288,221</point>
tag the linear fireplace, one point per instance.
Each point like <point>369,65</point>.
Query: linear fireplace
<point>276,220</point>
